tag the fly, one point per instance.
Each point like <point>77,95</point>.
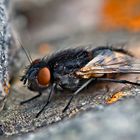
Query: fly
<point>74,69</point>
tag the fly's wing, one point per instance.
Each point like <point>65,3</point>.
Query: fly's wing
<point>108,62</point>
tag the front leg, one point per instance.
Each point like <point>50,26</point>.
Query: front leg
<point>52,92</point>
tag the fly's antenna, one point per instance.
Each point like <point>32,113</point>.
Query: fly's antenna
<point>26,53</point>
<point>30,56</point>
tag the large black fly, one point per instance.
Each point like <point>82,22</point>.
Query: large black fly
<point>74,69</point>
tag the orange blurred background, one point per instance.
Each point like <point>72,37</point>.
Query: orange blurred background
<point>124,14</point>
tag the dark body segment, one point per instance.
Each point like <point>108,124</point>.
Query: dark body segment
<point>101,49</point>
<point>63,65</point>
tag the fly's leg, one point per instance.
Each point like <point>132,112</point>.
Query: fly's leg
<point>28,100</point>
<point>98,80</point>
<point>48,100</point>
<point>76,92</point>
<point>117,81</point>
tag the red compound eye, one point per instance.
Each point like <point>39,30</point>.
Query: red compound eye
<point>44,76</point>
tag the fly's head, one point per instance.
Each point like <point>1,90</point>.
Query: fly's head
<point>37,76</point>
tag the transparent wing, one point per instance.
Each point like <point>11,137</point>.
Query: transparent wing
<point>108,62</point>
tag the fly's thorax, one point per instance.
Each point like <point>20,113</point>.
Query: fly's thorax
<point>68,81</point>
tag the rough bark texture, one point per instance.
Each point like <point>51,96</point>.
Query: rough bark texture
<point>5,37</point>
